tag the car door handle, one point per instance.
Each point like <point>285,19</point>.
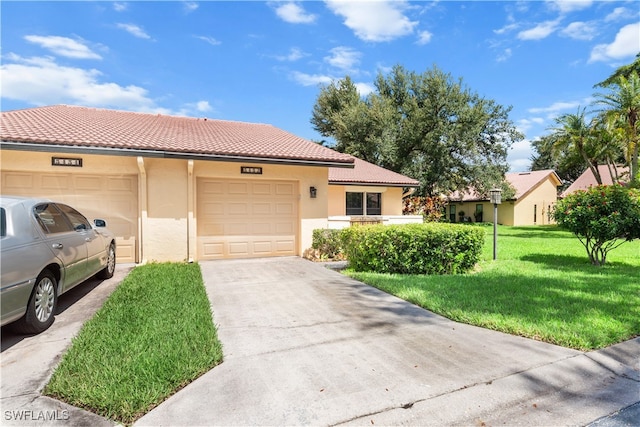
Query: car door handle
<point>57,246</point>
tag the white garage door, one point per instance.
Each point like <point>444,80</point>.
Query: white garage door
<point>241,219</point>
<point>112,198</point>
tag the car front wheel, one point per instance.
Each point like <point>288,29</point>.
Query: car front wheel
<point>41,306</point>
<point>107,272</point>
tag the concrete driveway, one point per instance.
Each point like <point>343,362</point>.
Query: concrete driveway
<point>27,362</point>
<point>305,345</point>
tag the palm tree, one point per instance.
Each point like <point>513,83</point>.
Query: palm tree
<point>622,106</point>
<point>574,134</point>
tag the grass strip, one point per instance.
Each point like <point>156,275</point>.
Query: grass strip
<point>542,286</point>
<point>154,335</point>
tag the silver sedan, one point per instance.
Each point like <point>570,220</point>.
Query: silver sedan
<point>47,248</point>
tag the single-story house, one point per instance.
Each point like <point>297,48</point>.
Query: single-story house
<point>588,179</point>
<point>174,188</point>
<point>368,194</point>
<point>536,195</point>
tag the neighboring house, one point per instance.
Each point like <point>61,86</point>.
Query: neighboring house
<point>588,179</point>
<point>174,188</point>
<point>536,195</point>
<point>367,194</point>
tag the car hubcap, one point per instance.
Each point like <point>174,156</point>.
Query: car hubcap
<point>44,299</point>
<point>112,260</point>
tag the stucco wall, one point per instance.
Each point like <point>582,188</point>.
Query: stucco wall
<point>541,199</point>
<point>166,193</point>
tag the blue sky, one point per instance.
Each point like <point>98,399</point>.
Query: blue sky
<point>263,62</point>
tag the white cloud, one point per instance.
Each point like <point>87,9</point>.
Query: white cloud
<point>540,31</point>
<point>506,54</point>
<point>374,21</point>
<point>63,46</point>
<point>566,6</point>
<point>310,79</point>
<point>343,58</point>
<point>559,107</point>
<point>293,55</point>
<point>618,14</point>
<point>203,106</point>
<point>424,37</point>
<point>41,81</point>
<point>519,156</point>
<point>507,28</point>
<point>626,44</point>
<point>134,30</point>
<point>524,125</point>
<point>293,13</point>
<point>364,89</point>
<point>120,6</point>
<point>212,41</point>
<point>580,30</point>
<point>190,6</point>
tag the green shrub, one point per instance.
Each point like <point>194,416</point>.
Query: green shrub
<point>430,248</point>
<point>327,243</point>
<point>602,218</point>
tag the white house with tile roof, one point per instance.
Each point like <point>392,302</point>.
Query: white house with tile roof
<point>173,188</point>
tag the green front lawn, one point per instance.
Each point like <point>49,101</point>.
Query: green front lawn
<point>542,286</point>
<point>154,335</point>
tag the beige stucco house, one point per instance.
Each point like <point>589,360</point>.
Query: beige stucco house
<point>181,188</point>
<point>173,188</point>
<point>536,195</point>
<point>367,194</point>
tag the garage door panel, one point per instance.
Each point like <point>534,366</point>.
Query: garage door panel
<point>238,188</point>
<point>241,208</point>
<point>285,246</point>
<point>285,189</point>
<point>88,183</point>
<point>239,248</point>
<point>252,218</point>
<point>125,184</point>
<point>14,183</point>
<point>93,195</point>
<point>55,182</point>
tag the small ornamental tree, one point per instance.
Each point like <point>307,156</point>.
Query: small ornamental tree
<point>431,208</point>
<point>603,218</point>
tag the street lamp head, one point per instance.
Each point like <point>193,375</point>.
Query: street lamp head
<point>495,195</point>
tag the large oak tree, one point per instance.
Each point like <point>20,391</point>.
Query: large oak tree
<point>428,126</point>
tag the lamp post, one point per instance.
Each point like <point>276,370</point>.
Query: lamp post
<point>495,197</point>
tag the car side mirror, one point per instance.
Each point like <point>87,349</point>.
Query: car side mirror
<point>100,222</point>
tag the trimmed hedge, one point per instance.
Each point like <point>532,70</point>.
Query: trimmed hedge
<point>429,248</point>
<point>327,242</point>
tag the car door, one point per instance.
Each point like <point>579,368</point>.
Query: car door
<point>96,250</point>
<point>68,245</point>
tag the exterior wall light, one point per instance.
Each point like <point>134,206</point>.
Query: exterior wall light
<point>313,192</point>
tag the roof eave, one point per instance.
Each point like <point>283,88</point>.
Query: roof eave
<point>128,152</point>
<point>374,184</point>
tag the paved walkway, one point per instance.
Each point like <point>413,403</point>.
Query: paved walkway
<point>305,345</point>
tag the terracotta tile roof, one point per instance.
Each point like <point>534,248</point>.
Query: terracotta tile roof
<point>588,179</point>
<point>82,127</point>
<point>366,173</point>
<point>522,182</point>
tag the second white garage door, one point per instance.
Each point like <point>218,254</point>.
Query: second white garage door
<point>243,218</point>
